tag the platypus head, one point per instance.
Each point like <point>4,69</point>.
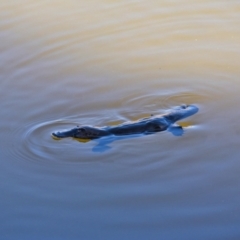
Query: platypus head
<point>85,132</point>
<point>181,112</point>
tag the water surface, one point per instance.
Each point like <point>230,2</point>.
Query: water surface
<point>103,63</point>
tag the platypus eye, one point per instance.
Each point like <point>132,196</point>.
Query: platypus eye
<point>184,106</point>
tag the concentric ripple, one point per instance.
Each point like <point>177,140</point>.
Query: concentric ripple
<point>37,144</point>
<point>157,103</point>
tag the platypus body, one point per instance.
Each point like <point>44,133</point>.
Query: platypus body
<point>148,125</point>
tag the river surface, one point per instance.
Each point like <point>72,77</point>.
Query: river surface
<point>104,62</point>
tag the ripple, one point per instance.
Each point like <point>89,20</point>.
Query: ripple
<point>183,98</point>
<point>36,144</point>
<point>34,141</point>
<point>159,102</point>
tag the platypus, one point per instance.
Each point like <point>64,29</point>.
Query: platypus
<point>147,125</point>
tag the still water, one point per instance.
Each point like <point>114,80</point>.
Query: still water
<point>102,62</point>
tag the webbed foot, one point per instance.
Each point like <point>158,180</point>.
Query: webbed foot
<point>176,130</point>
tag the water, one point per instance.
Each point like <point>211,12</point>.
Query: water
<point>105,62</point>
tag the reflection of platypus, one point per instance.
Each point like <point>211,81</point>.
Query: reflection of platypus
<point>143,126</point>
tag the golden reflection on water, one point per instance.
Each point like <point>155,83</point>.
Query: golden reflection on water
<point>153,54</point>
<point>186,124</point>
<point>152,38</point>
